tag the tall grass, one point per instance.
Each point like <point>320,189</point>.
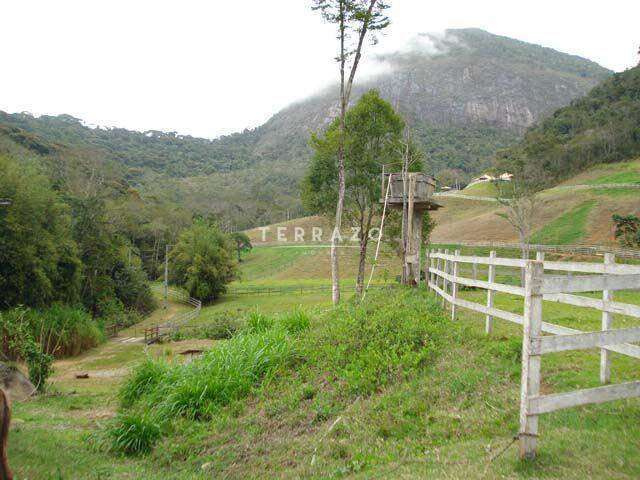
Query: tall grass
<point>197,390</point>
<point>61,330</point>
<point>364,347</point>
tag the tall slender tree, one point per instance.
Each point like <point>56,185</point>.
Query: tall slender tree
<point>373,138</point>
<point>354,19</point>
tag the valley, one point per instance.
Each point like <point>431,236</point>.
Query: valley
<point>176,307</point>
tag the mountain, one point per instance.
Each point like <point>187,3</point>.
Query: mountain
<point>601,127</point>
<point>465,93</point>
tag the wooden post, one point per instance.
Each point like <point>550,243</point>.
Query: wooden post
<point>439,267</point>
<point>444,281</point>
<point>430,277</point>
<point>488,328</point>
<point>474,268</point>
<point>607,321</point>
<point>454,286</point>
<point>530,383</point>
<point>427,266</point>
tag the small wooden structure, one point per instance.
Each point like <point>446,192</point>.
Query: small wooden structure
<point>418,196</point>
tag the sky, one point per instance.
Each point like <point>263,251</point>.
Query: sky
<point>213,67</point>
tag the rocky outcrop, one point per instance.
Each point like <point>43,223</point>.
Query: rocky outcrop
<point>15,383</point>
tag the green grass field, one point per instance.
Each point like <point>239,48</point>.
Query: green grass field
<point>484,189</point>
<point>393,389</point>
<point>567,229</point>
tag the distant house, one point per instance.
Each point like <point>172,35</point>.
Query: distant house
<point>481,179</point>
<point>505,177</point>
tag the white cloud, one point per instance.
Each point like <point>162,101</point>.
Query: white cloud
<point>211,67</point>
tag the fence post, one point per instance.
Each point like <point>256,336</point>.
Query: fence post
<point>530,383</point>
<point>488,328</point>
<point>444,281</point>
<point>439,264</point>
<point>454,287</point>
<point>427,266</point>
<point>607,321</point>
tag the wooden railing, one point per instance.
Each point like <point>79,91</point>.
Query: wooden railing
<point>592,250</point>
<point>444,279</point>
<point>153,334</point>
<point>300,289</point>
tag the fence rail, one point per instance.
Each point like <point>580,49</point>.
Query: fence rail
<point>153,334</point>
<point>443,278</point>
<point>292,289</point>
<point>570,249</point>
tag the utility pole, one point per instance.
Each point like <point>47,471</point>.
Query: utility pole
<point>166,276</point>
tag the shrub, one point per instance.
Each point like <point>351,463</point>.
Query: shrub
<point>217,327</point>
<point>143,380</point>
<point>133,434</point>
<point>258,322</point>
<point>203,261</point>
<point>367,346</point>
<point>19,342</point>
<point>61,330</point>
<point>295,321</point>
<point>224,374</point>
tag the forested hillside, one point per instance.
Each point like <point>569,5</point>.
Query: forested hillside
<point>601,127</point>
<point>465,94</point>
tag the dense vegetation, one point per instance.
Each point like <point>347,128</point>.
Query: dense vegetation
<point>472,98</point>
<point>355,351</point>
<point>203,261</point>
<point>59,246</point>
<point>627,230</point>
<point>601,127</point>
<point>161,152</point>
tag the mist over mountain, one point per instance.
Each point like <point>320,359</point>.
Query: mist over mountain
<point>465,93</point>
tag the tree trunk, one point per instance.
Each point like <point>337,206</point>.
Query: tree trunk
<point>405,216</point>
<point>364,242</point>
<point>361,266</point>
<point>335,273</point>
<point>345,93</point>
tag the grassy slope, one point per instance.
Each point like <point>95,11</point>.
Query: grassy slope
<point>484,189</point>
<point>446,419</point>
<point>465,220</point>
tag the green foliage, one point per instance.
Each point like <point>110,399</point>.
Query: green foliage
<point>203,261</point>
<point>627,230</point>
<point>258,322</point>
<point>296,321</point>
<point>373,137</point>
<point>144,379</point>
<point>19,342</point>
<point>112,274</point>
<point>601,127</point>
<point>39,261</point>
<point>61,330</point>
<point>133,434</point>
<point>243,243</point>
<point>195,390</point>
<point>469,149</point>
<point>367,346</point>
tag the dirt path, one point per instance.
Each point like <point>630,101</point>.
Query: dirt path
<point>107,364</point>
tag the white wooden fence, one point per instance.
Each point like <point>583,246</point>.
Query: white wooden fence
<point>444,279</point>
